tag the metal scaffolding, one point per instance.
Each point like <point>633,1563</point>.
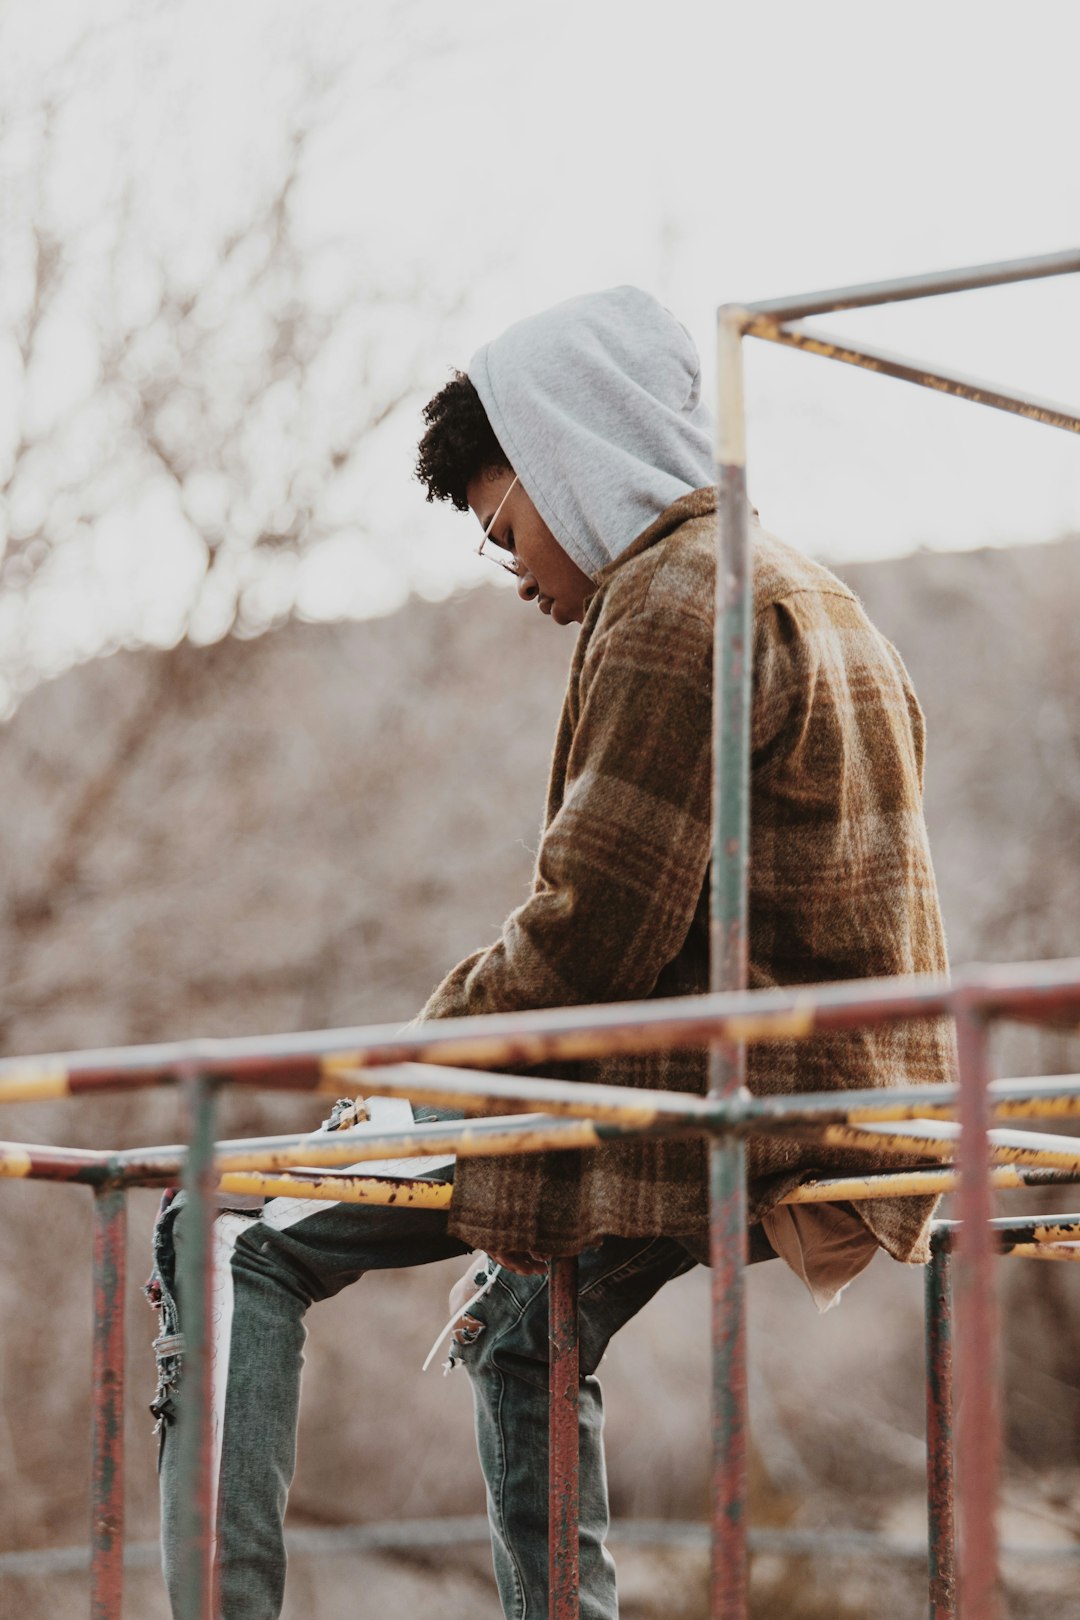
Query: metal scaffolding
<point>457,1064</point>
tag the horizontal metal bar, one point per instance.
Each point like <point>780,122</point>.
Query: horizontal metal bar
<point>416,1193</point>
<point>628,1112</point>
<point>1041,992</point>
<point>466,1138</point>
<point>419,1193</point>
<point>1033,1097</point>
<point>652,1113</point>
<point>1057,1097</point>
<point>1045,1251</point>
<point>541,1133</point>
<point>29,1161</point>
<point>406,1192</point>
<point>1023,1098</point>
<point>863,295</point>
<point>938,1139</point>
<point>919,1184</point>
<point>939,378</point>
<point>484,1138</point>
<point>1019,1234</point>
<point>448,1087</point>
<point>816,1541</point>
<point>1044,1228</point>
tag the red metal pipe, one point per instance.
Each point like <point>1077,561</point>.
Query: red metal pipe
<point>29,1161</point>
<point>939,1431</point>
<point>979,1419</point>
<point>196,1284</point>
<point>107,1394</point>
<point>1041,992</point>
<point>564,1579</point>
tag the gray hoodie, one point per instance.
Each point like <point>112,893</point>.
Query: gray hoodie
<point>597,405</point>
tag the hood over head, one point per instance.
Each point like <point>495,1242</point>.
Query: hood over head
<point>597,404</point>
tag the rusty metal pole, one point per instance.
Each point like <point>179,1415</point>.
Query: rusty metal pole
<point>978,1427</point>
<point>939,1430</point>
<point>321,1060</point>
<point>195,1285</point>
<point>107,1376</point>
<point>564,1577</point>
<point>729,954</point>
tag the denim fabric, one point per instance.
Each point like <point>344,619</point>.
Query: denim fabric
<point>269,1274</point>
<point>508,1363</point>
<point>275,1275</point>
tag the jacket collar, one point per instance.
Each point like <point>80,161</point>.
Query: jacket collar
<point>699,503</point>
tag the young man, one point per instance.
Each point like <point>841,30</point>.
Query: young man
<point>579,441</point>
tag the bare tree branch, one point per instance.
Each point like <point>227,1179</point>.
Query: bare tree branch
<point>216,393</point>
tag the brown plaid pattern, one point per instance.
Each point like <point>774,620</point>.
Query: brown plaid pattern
<point>840,876</point>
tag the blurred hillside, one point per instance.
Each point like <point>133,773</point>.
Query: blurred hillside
<point>307,830</point>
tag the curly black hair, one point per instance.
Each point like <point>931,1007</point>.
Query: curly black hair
<point>458,444</point>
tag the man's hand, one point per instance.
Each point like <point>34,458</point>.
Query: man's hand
<point>523,1262</point>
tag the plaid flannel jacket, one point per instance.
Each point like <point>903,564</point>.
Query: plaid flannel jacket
<point>841,883</point>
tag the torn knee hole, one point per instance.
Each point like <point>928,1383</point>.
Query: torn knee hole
<point>468,1330</point>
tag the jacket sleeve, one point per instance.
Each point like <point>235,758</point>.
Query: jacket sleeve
<point>622,861</point>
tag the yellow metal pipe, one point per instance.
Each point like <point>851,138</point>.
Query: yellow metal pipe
<point>322,1150</point>
<point>938,1139</point>
<point>896,1184</point>
<point>1046,1100</point>
<point>34,1084</point>
<point>423,1194</point>
<point>404,1194</point>
<point>1056,1232</point>
<point>1046,1251</point>
<point>15,1161</point>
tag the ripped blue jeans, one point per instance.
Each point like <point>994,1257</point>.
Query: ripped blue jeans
<point>271,1265</point>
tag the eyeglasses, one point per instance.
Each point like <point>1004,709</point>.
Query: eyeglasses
<point>511,567</point>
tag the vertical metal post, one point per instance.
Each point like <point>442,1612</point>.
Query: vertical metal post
<point>195,1286</point>
<point>729,952</point>
<point>107,1377</point>
<point>978,1427</point>
<point>939,1430</point>
<point>564,1602</point>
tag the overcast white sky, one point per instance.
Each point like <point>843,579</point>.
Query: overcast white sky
<point>493,158</point>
